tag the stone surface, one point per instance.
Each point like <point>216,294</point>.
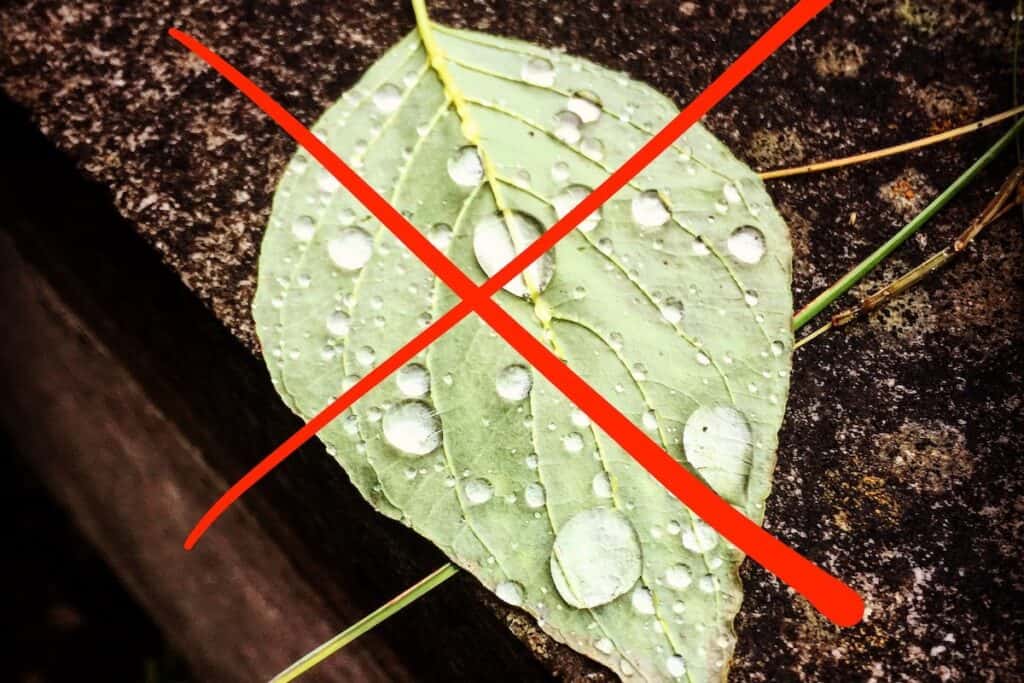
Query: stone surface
<point>898,462</point>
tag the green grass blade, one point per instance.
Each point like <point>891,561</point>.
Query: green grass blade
<point>823,300</point>
<point>322,652</point>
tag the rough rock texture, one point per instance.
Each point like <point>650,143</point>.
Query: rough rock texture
<point>898,462</point>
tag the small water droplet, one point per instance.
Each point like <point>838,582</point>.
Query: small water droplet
<point>642,600</point>
<point>731,194</point>
<point>304,228</point>
<point>440,235</point>
<point>478,491</point>
<point>601,484</point>
<point>560,171</point>
<point>595,558</point>
<point>579,418</point>
<point>365,355</point>
<point>413,380</point>
<point>676,666</point>
<point>351,249</point>
<point>701,538</point>
<point>672,310</point>
<point>514,382</point>
<point>778,348</point>
<point>496,241</point>
<point>510,591</point>
<point>650,420</point>
<point>592,147</point>
<point>572,442</point>
<point>746,244</point>
<point>567,127</point>
<point>534,496</point>
<point>702,358</point>
<point>387,98</point>
<point>531,461</point>
<point>750,296</point>
<point>465,167</point>
<point>338,323</point>
<point>538,71</point>
<point>566,200</point>
<point>706,583</point>
<point>412,427</point>
<point>677,577</point>
<point>585,105</point>
<point>649,210</point>
<point>604,645</point>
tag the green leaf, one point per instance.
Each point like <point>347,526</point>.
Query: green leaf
<point>673,301</point>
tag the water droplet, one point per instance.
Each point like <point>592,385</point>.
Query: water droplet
<point>592,147</point>
<point>572,442</point>
<point>672,310</point>
<point>351,249</point>
<point>478,491</point>
<point>699,248</point>
<point>643,601</point>
<point>510,591</point>
<point>531,461</point>
<point>338,323</point>
<point>534,496</point>
<point>579,292</point>
<point>412,427</point>
<point>560,171</point>
<point>746,244</point>
<point>778,348</point>
<point>346,216</point>
<point>413,380</point>
<point>585,105</point>
<point>677,577</point>
<point>566,200</point>
<point>701,538</point>
<point>365,356</point>
<point>604,645</point>
<point>595,558</point>
<point>649,210</point>
<point>579,418</point>
<point>650,420</point>
<point>567,127</point>
<point>601,485</point>
<point>304,228</point>
<point>676,666</point>
<point>440,235</point>
<point>538,71</point>
<point>718,439</point>
<point>706,583</point>
<point>387,98</point>
<point>702,358</point>
<point>465,167</point>
<point>514,382</point>
<point>750,296</point>
<point>497,241</point>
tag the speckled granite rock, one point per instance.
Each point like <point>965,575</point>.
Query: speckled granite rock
<point>898,467</point>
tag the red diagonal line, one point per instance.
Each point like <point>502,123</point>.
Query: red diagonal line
<point>830,595</point>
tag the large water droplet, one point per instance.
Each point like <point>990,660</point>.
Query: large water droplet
<point>746,244</point>
<point>351,249</point>
<point>478,491</point>
<point>412,427</point>
<point>514,382</point>
<point>510,591</point>
<point>304,228</point>
<point>496,241</point>
<point>595,558</point>
<point>585,105</point>
<point>566,200</point>
<point>649,210</point>
<point>538,71</point>
<point>338,323</point>
<point>413,380</point>
<point>534,496</point>
<point>387,98</point>
<point>465,167</point>
<point>718,439</point>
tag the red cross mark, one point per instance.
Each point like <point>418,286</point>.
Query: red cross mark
<point>832,597</point>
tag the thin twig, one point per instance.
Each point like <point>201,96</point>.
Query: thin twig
<point>825,299</point>
<point>1009,195</point>
<point>896,149</point>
